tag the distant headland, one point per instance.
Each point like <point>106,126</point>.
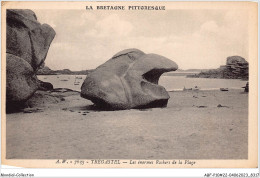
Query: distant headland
<point>47,71</point>
<point>236,68</point>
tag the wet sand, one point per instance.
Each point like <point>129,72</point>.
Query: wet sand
<point>193,126</point>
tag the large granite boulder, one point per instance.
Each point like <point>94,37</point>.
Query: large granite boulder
<point>27,44</point>
<point>21,81</point>
<point>27,38</point>
<point>128,80</point>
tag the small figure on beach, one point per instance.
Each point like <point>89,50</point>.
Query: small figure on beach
<point>246,87</point>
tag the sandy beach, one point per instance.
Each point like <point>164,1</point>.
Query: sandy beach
<point>194,125</point>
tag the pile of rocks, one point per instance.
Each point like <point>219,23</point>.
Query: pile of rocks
<point>236,68</point>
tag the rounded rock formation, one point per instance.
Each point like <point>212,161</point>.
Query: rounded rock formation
<point>27,38</point>
<point>231,60</point>
<point>128,80</point>
<point>21,79</point>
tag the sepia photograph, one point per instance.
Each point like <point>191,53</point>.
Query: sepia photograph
<point>119,84</point>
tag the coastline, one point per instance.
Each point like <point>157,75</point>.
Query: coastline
<point>170,83</point>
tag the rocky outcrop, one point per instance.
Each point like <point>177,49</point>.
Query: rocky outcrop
<point>236,68</point>
<point>128,80</point>
<point>42,99</point>
<point>46,98</point>
<point>45,86</point>
<point>27,44</point>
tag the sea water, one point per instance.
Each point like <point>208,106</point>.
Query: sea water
<point>171,83</point>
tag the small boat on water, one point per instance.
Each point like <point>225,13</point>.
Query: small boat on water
<point>223,89</point>
<point>77,80</point>
<point>64,80</point>
<point>186,89</point>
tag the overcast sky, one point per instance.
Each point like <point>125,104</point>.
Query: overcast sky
<point>199,39</point>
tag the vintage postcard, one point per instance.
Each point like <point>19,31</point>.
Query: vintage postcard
<point>129,84</point>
